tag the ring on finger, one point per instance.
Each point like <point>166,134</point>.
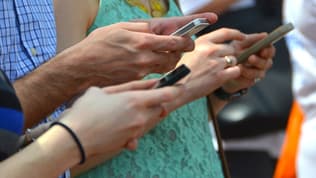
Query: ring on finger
<point>229,61</point>
<point>257,79</point>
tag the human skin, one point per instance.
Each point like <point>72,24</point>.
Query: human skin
<point>216,6</point>
<point>207,62</point>
<point>110,55</point>
<point>256,66</point>
<point>119,113</point>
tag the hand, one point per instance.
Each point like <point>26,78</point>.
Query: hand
<point>209,68</point>
<point>105,120</point>
<point>124,52</point>
<point>256,66</point>
<point>166,26</point>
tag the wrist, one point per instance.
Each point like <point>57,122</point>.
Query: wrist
<point>221,94</point>
<point>75,139</point>
<point>58,150</point>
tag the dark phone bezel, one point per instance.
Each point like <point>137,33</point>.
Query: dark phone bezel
<point>173,76</point>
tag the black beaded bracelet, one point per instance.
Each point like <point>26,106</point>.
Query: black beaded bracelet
<point>76,139</point>
<point>223,95</point>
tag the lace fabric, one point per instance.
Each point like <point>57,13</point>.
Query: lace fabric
<point>180,146</point>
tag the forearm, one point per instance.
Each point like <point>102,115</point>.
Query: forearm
<point>48,156</point>
<point>216,6</point>
<point>92,162</point>
<point>47,87</point>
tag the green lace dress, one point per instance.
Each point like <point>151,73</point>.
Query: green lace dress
<point>180,146</point>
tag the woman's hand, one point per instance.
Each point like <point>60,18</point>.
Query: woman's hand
<point>209,66</point>
<point>255,68</point>
<point>106,120</point>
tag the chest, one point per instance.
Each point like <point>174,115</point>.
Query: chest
<point>113,11</point>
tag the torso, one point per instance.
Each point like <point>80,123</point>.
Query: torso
<point>180,146</point>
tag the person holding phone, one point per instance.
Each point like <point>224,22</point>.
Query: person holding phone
<point>111,55</point>
<point>169,150</point>
<point>120,113</point>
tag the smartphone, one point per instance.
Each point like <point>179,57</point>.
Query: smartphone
<point>272,38</point>
<point>173,76</point>
<point>192,27</point>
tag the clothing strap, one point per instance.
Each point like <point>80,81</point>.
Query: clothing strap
<point>218,138</point>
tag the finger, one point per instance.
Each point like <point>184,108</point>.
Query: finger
<point>224,34</point>
<point>229,74</point>
<point>244,83</point>
<point>181,21</point>
<point>135,85</point>
<point>257,62</point>
<point>268,52</point>
<point>157,113</point>
<point>157,96</point>
<point>132,144</point>
<point>165,26</point>
<point>251,39</point>
<point>163,43</point>
<point>252,73</point>
<point>166,61</point>
<point>133,26</point>
<point>223,50</point>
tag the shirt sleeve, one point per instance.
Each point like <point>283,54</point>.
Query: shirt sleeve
<point>11,122</point>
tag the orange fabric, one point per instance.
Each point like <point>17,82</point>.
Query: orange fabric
<point>285,167</point>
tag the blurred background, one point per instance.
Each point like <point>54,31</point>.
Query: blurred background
<point>253,126</point>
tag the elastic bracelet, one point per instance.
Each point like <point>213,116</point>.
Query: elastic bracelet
<point>220,93</point>
<point>76,139</point>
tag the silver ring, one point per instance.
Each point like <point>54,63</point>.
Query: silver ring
<point>257,79</point>
<point>229,61</point>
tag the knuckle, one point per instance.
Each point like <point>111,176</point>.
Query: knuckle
<point>132,103</point>
<point>142,121</point>
<point>143,60</point>
<point>139,122</point>
<point>167,96</point>
<point>229,32</point>
<point>143,42</point>
<point>173,57</point>
<point>226,31</point>
<point>172,43</point>
<point>142,74</point>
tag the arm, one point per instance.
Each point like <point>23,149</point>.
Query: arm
<point>130,114</point>
<point>43,154</point>
<point>216,6</point>
<point>110,55</point>
<point>72,25</point>
<point>210,71</point>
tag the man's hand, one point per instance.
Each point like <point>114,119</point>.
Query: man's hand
<point>125,52</point>
<point>110,55</point>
